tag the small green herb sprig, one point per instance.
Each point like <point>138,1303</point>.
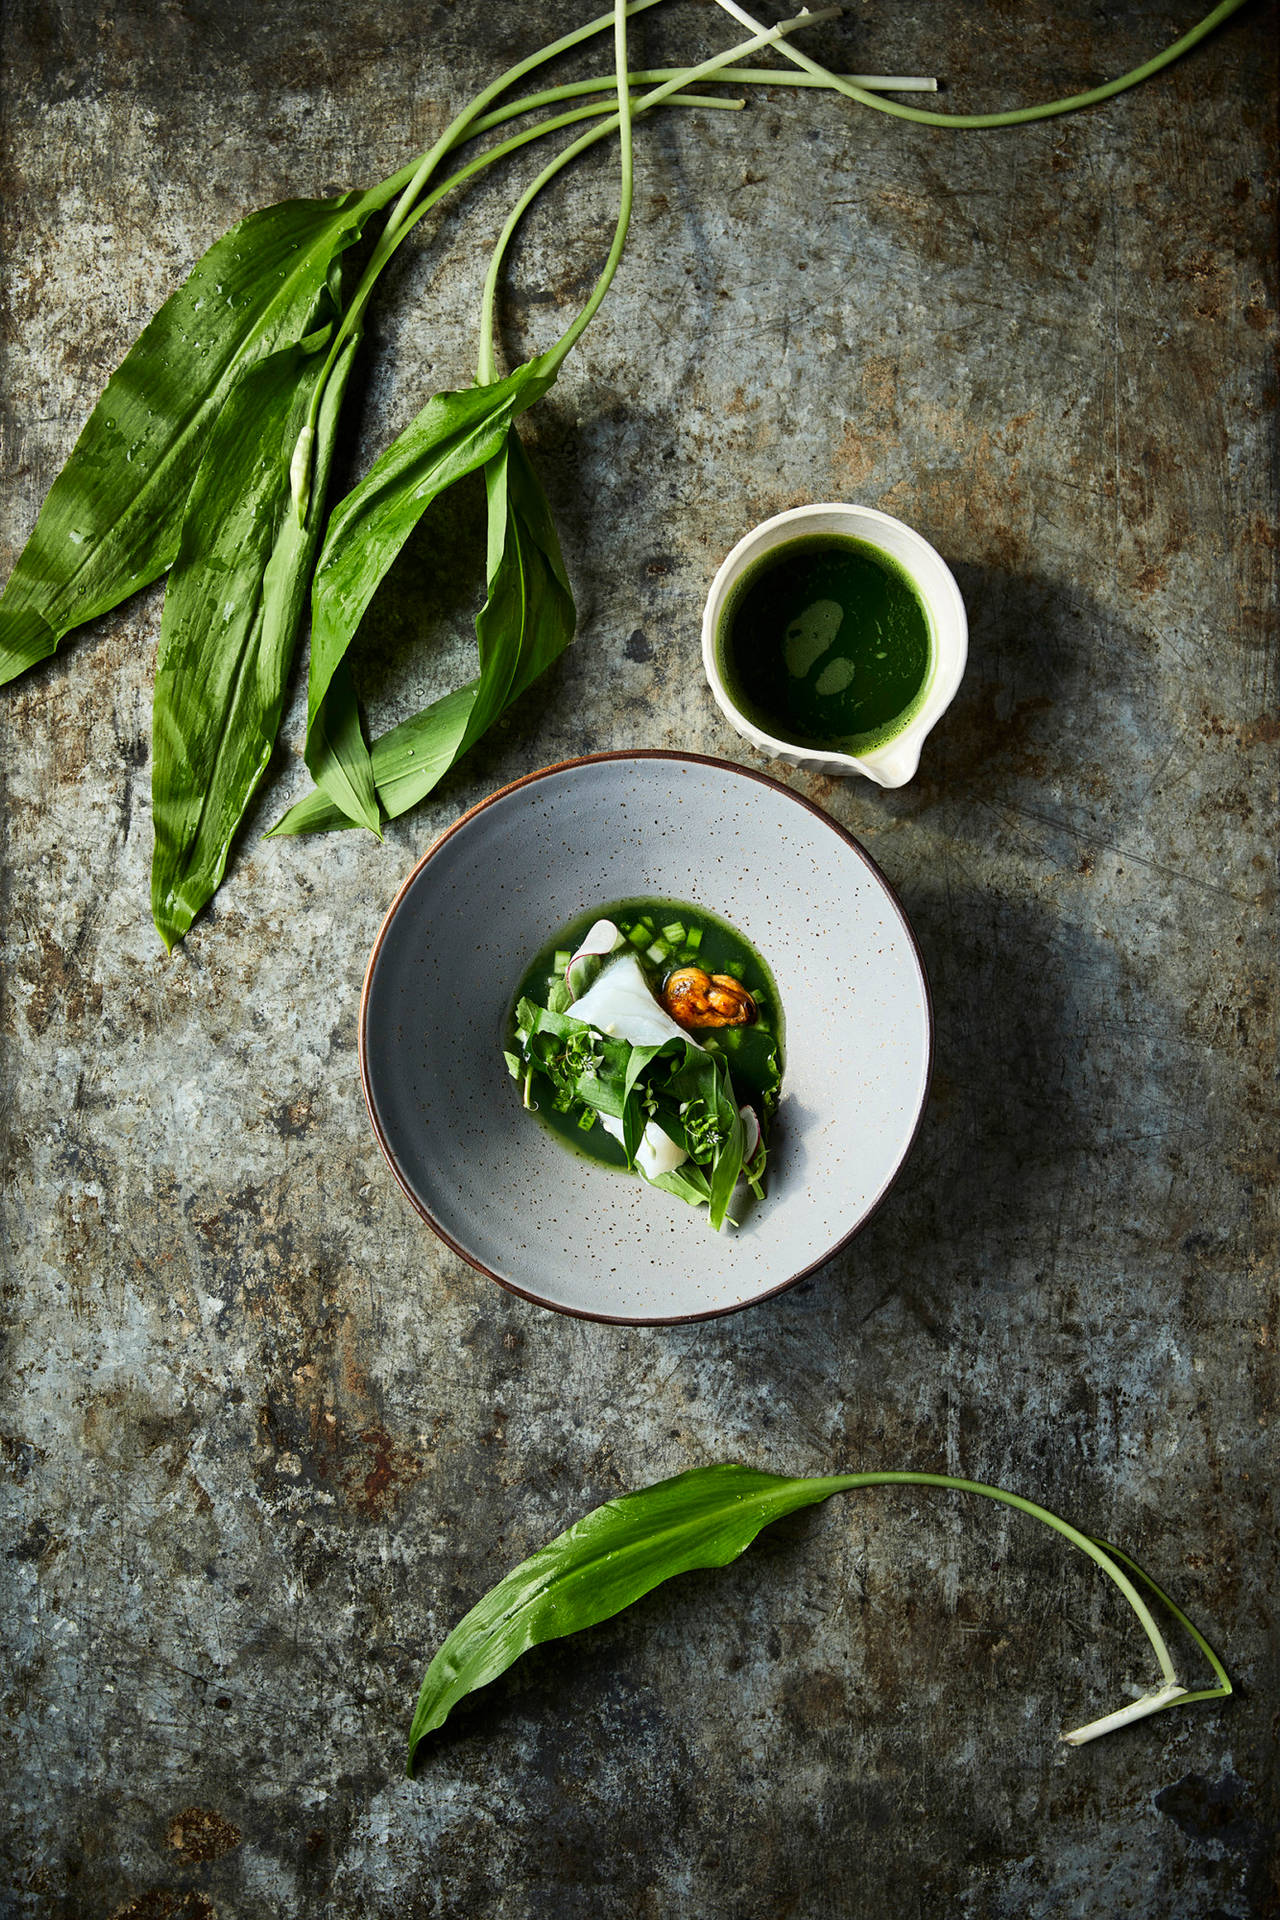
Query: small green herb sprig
<point>707,1517</point>
<point>209,454</point>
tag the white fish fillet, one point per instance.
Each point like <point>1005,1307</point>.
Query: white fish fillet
<point>621,1005</point>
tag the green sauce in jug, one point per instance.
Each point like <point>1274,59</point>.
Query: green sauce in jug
<point>824,643</point>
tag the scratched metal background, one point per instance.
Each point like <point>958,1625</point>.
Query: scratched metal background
<point>262,1439</point>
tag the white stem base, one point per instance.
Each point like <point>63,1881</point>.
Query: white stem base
<point>1136,1710</point>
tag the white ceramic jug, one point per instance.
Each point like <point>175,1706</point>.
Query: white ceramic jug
<point>892,764</point>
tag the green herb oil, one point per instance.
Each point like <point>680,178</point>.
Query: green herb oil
<point>824,643</point>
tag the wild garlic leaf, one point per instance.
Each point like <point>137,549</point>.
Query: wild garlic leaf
<point>612,1557</point>
<point>231,616</point>
<point>455,434</point>
<point>528,618</point>
<point>705,1518</point>
<point>526,622</point>
<point>112,519</point>
<point>688,1183</point>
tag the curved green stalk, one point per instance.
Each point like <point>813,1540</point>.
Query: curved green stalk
<point>1224,1689</point>
<point>622,122</point>
<point>1096,1550</point>
<point>552,125</point>
<point>766,36</point>
<point>404,215</point>
<point>1015,116</point>
<point>580,89</point>
<point>395,183</point>
<point>400,220</point>
<point>300,465</point>
<point>650,76</point>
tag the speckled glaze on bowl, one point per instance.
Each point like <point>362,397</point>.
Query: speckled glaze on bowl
<point>492,1182</point>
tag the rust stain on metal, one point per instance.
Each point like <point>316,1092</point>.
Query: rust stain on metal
<point>166,1903</point>
<point>198,1834</point>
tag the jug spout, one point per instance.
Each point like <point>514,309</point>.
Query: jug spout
<point>893,765</point>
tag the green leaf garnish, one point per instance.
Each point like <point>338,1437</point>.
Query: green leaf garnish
<point>231,615</point>
<point>682,1086</point>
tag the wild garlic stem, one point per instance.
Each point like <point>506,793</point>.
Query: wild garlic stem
<point>1223,1688</point>
<point>1100,1555</point>
<point>1113,1563</point>
<point>650,76</point>
<point>300,466</point>
<point>300,472</point>
<point>766,36</point>
<point>1016,116</point>
<point>622,122</point>
<point>456,129</point>
<point>551,125</point>
<point>1124,1716</point>
<point>873,82</point>
<point>578,90</point>
<point>410,180</point>
<point>405,213</point>
<point>472,120</point>
<point>625,165</point>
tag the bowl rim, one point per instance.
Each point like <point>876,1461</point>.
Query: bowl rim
<point>463,820</point>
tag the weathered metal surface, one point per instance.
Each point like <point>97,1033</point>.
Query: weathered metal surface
<point>263,1440</point>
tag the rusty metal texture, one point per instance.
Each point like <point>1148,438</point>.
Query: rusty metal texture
<point>262,1438</point>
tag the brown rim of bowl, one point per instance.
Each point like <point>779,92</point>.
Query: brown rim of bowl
<point>567,766</point>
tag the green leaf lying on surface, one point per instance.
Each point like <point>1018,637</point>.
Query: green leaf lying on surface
<point>528,617</point>
<point>526,622</point>
<point>231,615</point>
<point>112,520</point>
<point>705,1518</point>
<point>454,435</point>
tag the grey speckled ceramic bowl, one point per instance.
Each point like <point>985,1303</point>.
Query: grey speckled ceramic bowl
<point>493,1182</point>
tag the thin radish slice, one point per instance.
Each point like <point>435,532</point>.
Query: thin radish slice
<point>601,939</point>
